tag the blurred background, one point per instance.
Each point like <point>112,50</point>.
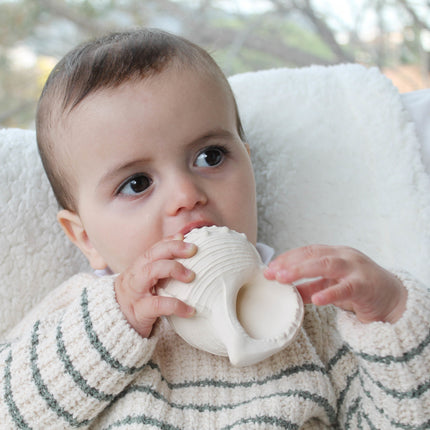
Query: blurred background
<point>242,35</point>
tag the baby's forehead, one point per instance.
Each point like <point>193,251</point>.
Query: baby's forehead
<point>64,123</point>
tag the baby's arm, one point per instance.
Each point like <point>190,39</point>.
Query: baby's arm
<point>64,363</point>
<point>394,363</point>
<point>76,352</point>
<point>379,370</point>
<point>345,278</point>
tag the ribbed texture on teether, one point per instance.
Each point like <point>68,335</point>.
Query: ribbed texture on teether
<point>270,314</point>
<point>223,255</point>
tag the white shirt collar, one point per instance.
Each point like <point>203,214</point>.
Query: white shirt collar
<point>266,252</point>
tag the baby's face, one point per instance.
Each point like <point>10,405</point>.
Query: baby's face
<point>154,158</point>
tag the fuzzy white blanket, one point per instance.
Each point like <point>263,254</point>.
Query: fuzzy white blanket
<point>337,161</point>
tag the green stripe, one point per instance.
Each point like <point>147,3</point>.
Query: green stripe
<point>388,359</point>
<point>260,419</point>
<point>349,380</point>
<point>97,344</point>
<point>142,419</point>
<point>4,346</point>
<point>397,394</point>
<point>359,421</point>
<point>352,410</point>
<point>8,395</point>
<point>264,419</point>
<point>308,367</point>
<point>77,377</point>
<point>43,389</point>
<point>226,384</point>
<point>339,354</point>
<point>369,423</point>
<point>402,395</point>
<point>306,395</point>
<point>342,394</point>
<point>396,424</point>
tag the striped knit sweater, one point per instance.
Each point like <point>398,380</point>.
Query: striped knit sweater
<point>74,362</point>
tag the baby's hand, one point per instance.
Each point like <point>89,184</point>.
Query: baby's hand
<point>346,278</point>
<point>135,288</point>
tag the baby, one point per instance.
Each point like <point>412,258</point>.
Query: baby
<point>141,139</point>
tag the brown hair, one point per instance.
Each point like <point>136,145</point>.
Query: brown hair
<point>107,62</point>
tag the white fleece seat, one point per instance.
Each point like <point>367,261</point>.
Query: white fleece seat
<point>35,255</point>
<point>337,161</point>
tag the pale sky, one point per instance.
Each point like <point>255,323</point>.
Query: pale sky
<point>344,11</point>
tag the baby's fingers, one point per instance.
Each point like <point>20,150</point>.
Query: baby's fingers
<point>164,269</point>
<point>309,288</point>
<point>329,265</point>
<point>146,311</point>
<point>144,278</point>
<point>339,294</point>
<point>135,293</point>
<point>158,306</point>
<point>297,255</point>
<point>170,248</point>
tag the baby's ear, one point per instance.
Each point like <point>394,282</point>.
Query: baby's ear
<point>72,225</point>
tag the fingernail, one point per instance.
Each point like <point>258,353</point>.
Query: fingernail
<point>318,299</point>
<point>282,275</point>
<point>269,273</point>
<point>191,248</point>
<point>190,275</point>
<point>190,311</point>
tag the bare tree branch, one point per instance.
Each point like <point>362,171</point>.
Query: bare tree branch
<point>325,32</point>
<point>417,20</point>
<point>60,9</point>
<point>290,55</point>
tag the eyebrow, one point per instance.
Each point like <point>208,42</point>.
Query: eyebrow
<point>116,170</point>
<point>216,133</point>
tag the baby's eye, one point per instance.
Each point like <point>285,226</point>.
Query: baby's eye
<point>135,185</point>
<point>210,157</point>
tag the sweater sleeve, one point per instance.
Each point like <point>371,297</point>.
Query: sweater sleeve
<point>390,386</point>
<point>65,363</point>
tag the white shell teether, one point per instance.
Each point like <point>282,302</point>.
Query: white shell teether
<point>239,313</point>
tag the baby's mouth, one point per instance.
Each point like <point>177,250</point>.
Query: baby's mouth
<point>195,224</point>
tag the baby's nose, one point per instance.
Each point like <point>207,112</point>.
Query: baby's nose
<point>187,193</point>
